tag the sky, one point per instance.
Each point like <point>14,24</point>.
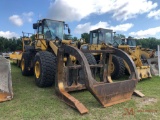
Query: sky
<point>136,18</point>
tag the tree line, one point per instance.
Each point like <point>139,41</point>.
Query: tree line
<point>11,44</point>
<point>150,42</point>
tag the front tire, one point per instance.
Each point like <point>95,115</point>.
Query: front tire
<point>44,69</point>
<point>118,67</point>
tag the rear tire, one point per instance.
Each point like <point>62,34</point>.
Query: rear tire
<point>91,61</point>
<point>90,58</point>
<point>26,69</point>
<point>119,67</point>
<point>18,63</point>
<point>45,69</point>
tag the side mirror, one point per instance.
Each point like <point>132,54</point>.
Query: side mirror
<point>35,26</point>
<point>66,25</point>
<point>69,31</point>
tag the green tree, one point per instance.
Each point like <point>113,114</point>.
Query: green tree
<point>75,38</point>
<point>19,44</point>
<point>33,37</point>
<point>120,35</point>
<point>11,44</point>
<point>150,42</point>
<point>85,36</point>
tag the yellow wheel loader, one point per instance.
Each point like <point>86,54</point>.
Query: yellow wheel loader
<point>143,70</point>
<point>98,39</point>
<point>53,60</point>
<point>147,56</point>
<point>16,56</point>
<point>105,36</point>
<point>6,92</point>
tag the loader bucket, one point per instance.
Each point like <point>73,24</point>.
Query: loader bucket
<point>153,63</point>
<point>5,80</point>
<point>106,92</point>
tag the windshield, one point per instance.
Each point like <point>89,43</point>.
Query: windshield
<point>53,29</point>
<point>119,41</point>
<point>105,37</point>
<point>94,38</point>
<point>108,37</point>
<point>131,42</point>
<point>102,36</point>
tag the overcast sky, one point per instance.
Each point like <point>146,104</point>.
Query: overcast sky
<point>137,18</point>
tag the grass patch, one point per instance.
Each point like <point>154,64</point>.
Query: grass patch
<point>31,102</point>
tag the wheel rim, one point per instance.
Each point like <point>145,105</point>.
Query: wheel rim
<point>37,69</point>
<point>112,67</point>
<point>22,65</point>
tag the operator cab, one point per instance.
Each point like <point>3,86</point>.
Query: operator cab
<point>131,42</point>
<point>101,35</point>
<point>51,29</point>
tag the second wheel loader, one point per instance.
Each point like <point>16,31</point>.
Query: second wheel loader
<point>105,36</point>
<point>53,60</point>
<point>100,38</point>
<point>16,56</point>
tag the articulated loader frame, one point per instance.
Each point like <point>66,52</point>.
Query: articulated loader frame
<point>6,92</point>
<point>106,92</point>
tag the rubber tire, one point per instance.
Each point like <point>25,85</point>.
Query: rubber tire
<point>26,71</point>
<point>126,72</point>
<point>48,66</point>
<point>119,69</point>
<point>90,58</point>
<point>92,61</point>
